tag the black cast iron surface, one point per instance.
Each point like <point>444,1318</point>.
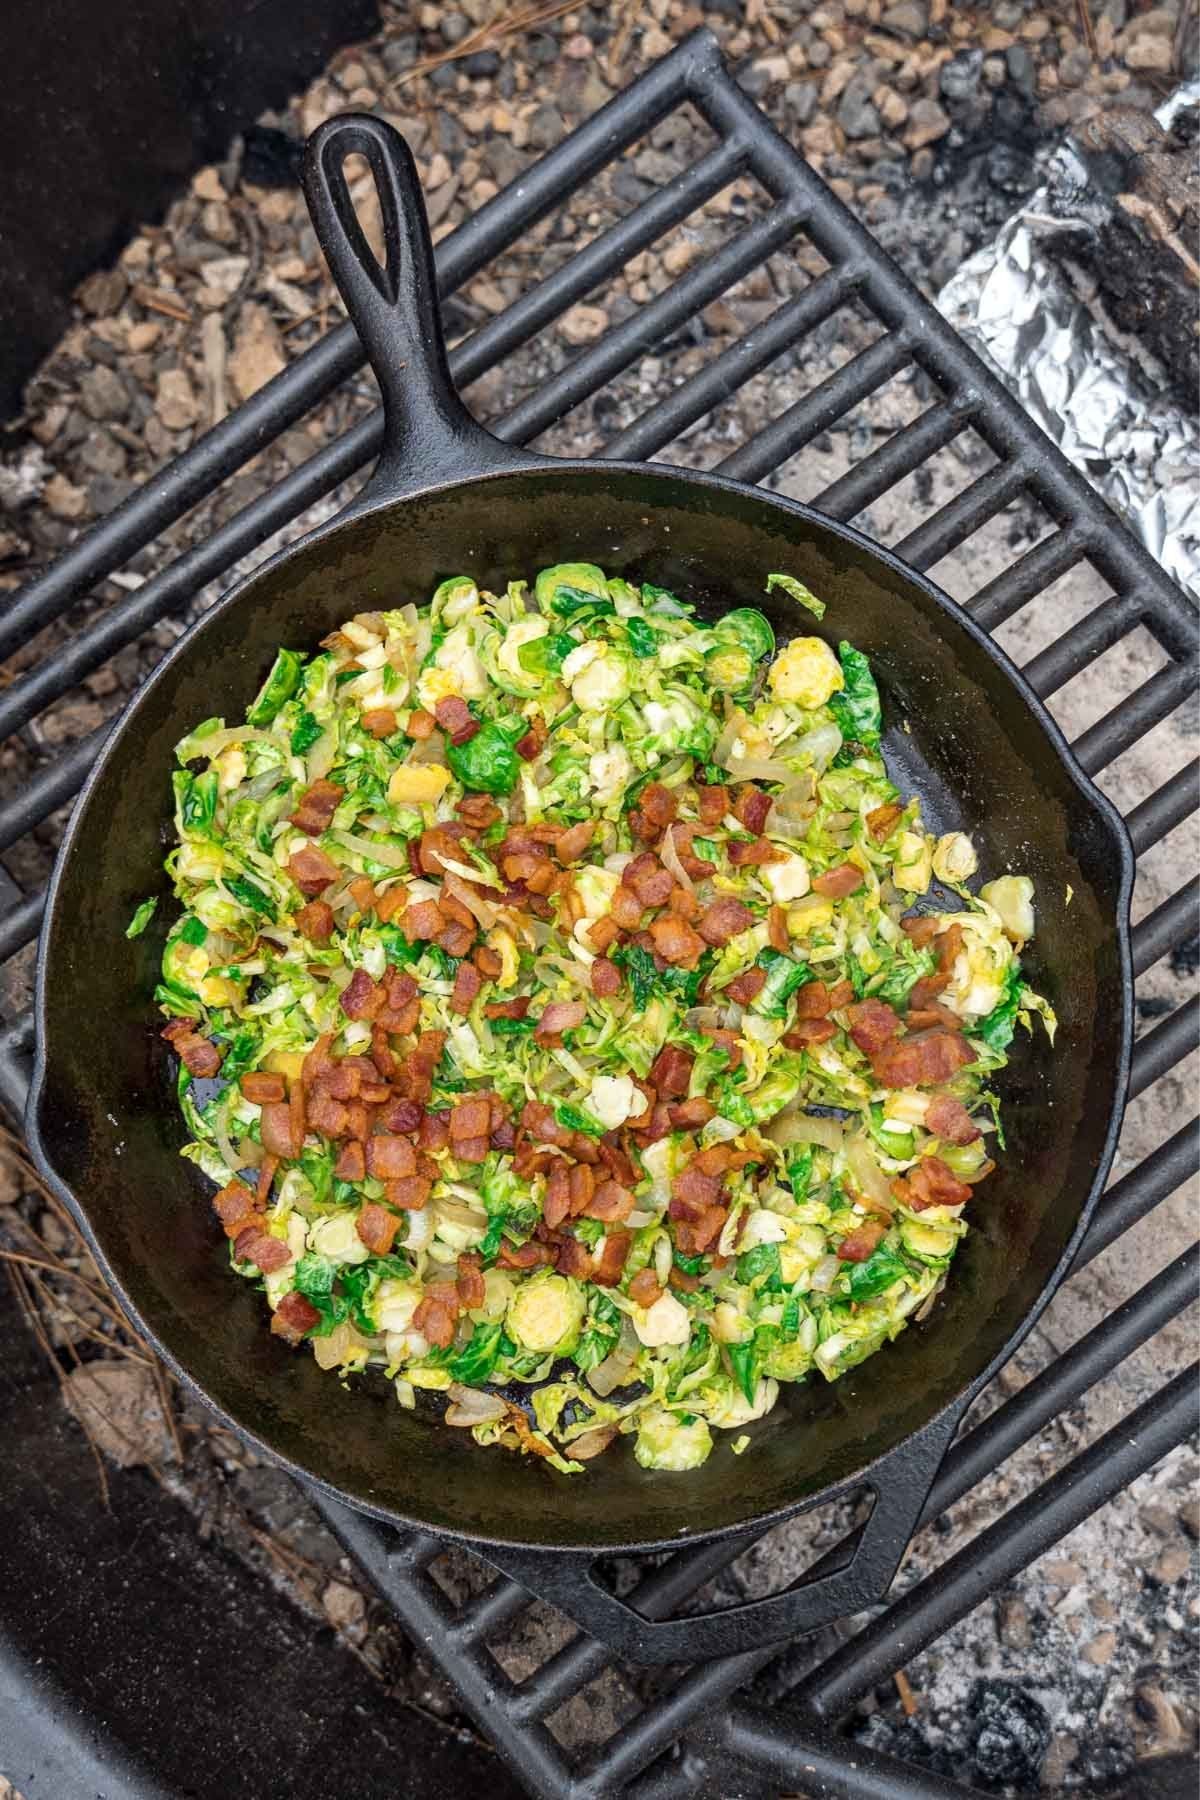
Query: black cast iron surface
<point>732,1749</point>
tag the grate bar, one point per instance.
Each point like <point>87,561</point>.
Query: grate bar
<point>904,451</point>
<point>1015,1541</point>
<point>1016,586</point>
<point>1157,1053</point>
<point>726,373</point>
<point>1070,654</point>
<point>1166,808</point>
<point>21,925</point>
<point>1166,928</point>
<point>16,1050</point>
<point>953,523</point>
<point>800,1754</point>
<point>49,788</point>
<point>790,430</point>
<point>1134,716</point>
<point>1127,1201</point>
<point>489,1612</point>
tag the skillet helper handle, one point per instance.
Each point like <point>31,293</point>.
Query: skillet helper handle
<point>429,436</point>
<point>842,1583</point>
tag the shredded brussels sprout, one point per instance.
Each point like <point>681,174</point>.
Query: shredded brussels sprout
<point>553,1018</point>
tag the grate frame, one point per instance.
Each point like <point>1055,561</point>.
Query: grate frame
<point>697,1733</point>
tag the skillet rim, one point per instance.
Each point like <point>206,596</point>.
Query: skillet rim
<point>364,506</point>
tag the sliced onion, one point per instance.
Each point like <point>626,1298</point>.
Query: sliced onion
<point>730,732</point>
<point>799,1128</point>
<point>636,1220</point>
<point>468,1406</point>
<point>249,1155</point>
<point>264,783</point>
<point>927,1305</point>
<point>388,854</point>
<point>612,1373</point>
<point>481,909</point>
<point>822,743</point>
<point>759,768</point>
<point>793,807</point>
<point>825,1274</point>
<point>670,860</point>
<point>216,741</point>
<point>332,1350</point>
<point>321,754</point>
<point>460,1213</point>
<point>697,1017</point>
<point>591,1443</point>
<point>866,1174</point>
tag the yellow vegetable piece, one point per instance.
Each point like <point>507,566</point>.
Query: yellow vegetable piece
<point>807,672</point>
<point>418,784</point>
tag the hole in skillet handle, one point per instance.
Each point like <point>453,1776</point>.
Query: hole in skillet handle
<point>852,1576</point>
<point>429,436</point>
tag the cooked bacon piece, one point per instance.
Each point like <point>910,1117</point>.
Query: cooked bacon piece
<point>690,1115</point>
<point>530,746</point>
<point>724,919</point>
<point>835,884</point>
<point>559,1016</point>
<point>610,1203</point>
<point>391,902</point>
<point>362,892</point>
<point>489,962</point>
<point>278,1135</point>
<point>932,1012</point>
<point>948,1118</point>
<point>574,841</point>
<point>538,1122</point>
<point>616,1160</point>
<point>236,1207</point>
<point>358,1119</point>
<point>423,921</point>
<point>528,1256</point>
<point>318,804</point>
<point>557,1204</point>
<point>649,880</point>
<point>259,1247</point>
<point>778,935</point>
<point>922,1059</point>
<point>606,978</point>
<point>676,942</point>
<point>581,1186</point>
<point>472,1289</point>
<point>930,1183</point>
<point>808,1033</point>
<point>625,911</point>
<point>921,928</point>
<point>743,854</point>
<point>420,725</point>
<point>471,1118</point>
<point>516,1008</point>
<point>684,904</point>
<point>468,983</point>
<point>435,1319</point>
<point>865,1238</point>
<point>611,1260</point>
<point>881,819</point>
<point>694,1236</point>
<point>456,719</point>
<point>812,1000</point>
<point>402,1116</point>
<point>603,933</point>
<point>389,1156</point>
<point>316,1059</point>
<point>840,994</point>
<point>747,986</point>
<point>382,1054</point>
<point>434,1131</point>
<point>351,1164</point>
<point>377,1228</point>
<point>197,1054</point>
<point>329,1117</point>
<point>401,989</point>
<point>644,1288</point>
<point>315,920</point>
<point>925,990</point>
<point>692,1190</point>
<point>363,998</point>
<point>437,842</point>
<point>671,1072</point>
<point>681,1281</point>
<point>712,803</point>
<point>266,1174</point>
<point>341,1079</point>
<point>409,1193</point>
<point>294,1317</point>
<point>504,1135</point>
<point>655,810</point>
<point>751,807</point>
<point>726,1041</point>
<point>872,1024</point>
<point>379,721</point>
<point>477,812</point>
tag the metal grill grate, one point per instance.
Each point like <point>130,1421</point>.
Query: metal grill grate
<point>727,1745</point>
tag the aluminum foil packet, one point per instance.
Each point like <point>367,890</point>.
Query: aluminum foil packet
<point>1020,314</point>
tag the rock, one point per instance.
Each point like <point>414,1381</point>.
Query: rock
<point>1007,14</point>
<point>107,491</point>
<point>1151,1705</point>
<point>1020,67</point>
<point>1010,1732</point>
<point>907,19</point>
<point>578,48</point>
<point>583,324</point>
<point>856,112</point>
<point>927,122</point>
<point>542,48</point>
<point>207,185</point>
<point>345,1609</point>
<point>103,395</point>
<point>1172,1565</point>
<point>994,72</point>
<point>11,1184</point>
<point>118,1405</point>
<point>1189,1517</point>
<point>103,293</point>
<point>174,400</point>
<point>502,161</point>
<point>481,63</point>
<point>775,69</point>
<point>1075,66</point>
<point>1101,1650</point>
<point>819,56</point>
<point>1158,1520</point>
<point>1152,54</point>
<point>453,27</point>
<point>101,454</point>
<point>800,101</point>
<point>959,78</point>
<point>1063,1751</point>
<point>1012,1622</point>
<point>678,257</point>
<point>257,353</point>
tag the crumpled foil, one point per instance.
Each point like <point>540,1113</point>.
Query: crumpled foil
<point>1020,315</point>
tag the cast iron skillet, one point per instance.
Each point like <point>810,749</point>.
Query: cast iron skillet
<point>963,731</point>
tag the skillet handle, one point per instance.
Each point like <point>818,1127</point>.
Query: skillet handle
<point>429,436</point>
<point>854,1575</point>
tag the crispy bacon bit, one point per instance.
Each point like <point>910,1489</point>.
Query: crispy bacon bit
<point>351,1164</point>
<point>316,1059</point>
<point>423,921</point>
<point>603,933</point>
<point>391,903</point>
<point>379,721</point>
<point>835,884</point>
<point>471,1118</point>
<point>456,939</point>
<point>808,1033</point>
<point>489,962</point>
<point>690,1115</point>
<point>516,1008</point>
<point>932,1012</point>
<point>872,1024</point>
<point>362,892</point>
<point>363,998</point>
<point>311,870</point>
<point>197,1053</point>
<point>922,1059</point>
<point>606,978</point>
<point>625,911</point>
<point>581,1186</point>
<point>864,1239</point>
<point>296,1112</point>
<point>684,904</point>
<point>747,986</point>
<point>437,842</point>
<point>723,920</point>
<point>574,841</point>
<point>318,804</point>
<point>751,808</point>
<point>611,1260</point>
<point>649,880</point>
<point>526,1256</point>
<point>434,1319</point>
<point>259,1247</point>
<point>266,1175</point>
<point>421,724</point>
<point>694,1236</point>
<point>456,719</point>
<point>277,1134</point>
<point>389,1156</point>
<point>644,1288</point>
<point>676,942</point>
<point>328,1116</point>
<point>812,1000</point>
<point>655,810</point>
<point>559,1016</point>
<point>743,854</point>
<point>930,1183</point>
<point>294,1317</point>
<point>377,1228</point>
<point>434,1131</point>
<point>840,994</point>
<point>557,1204</point>
<point>315,921</point>
<point>921,928</point>
<point>409,1193</point>
<point>671,1072</point>
<point>712,803</point>
<point>726,1041</point>
<point>468,983</point>
<point>472,1289</point>
<point>692,1190</point>
<point>236,1207</point>
<point>681,1281</point>
<point>948,1118</point>
<point>777,929</point>
<point>610,1203</point>
<point>881,819</point>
